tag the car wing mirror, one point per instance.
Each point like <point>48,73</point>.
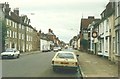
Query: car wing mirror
<point>77,55</point>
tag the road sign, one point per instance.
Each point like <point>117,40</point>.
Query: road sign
<point>94,34</point>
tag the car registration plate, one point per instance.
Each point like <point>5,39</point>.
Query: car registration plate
<point>64,63</point>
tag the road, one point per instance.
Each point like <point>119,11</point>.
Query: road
<point>33,65</point>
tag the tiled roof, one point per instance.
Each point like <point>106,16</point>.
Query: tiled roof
<point>85,22</point>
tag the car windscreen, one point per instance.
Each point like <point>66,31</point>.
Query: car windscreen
<point>65,55</point>
<point>9,50</point>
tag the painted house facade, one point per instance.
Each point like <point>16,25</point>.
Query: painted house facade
<point>93,40</point>
<point>16,31</point>
<point>45,43</point>
<point>117,29</point>
<point>84,32</point>
<point>106,31</point>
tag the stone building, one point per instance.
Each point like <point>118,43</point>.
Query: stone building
<point>16,31</point>
<point>117,29</point>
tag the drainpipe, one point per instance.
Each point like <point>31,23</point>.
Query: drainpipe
<point>119,40</point>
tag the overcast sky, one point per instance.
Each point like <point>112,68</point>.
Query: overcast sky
<point>62,16</point>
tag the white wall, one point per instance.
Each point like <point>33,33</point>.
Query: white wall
<point>44,45</point>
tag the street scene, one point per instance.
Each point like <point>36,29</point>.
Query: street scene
<point>38,64</point>
<point>62,39</point>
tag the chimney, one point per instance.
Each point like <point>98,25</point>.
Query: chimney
<point>16,11</point>
<point>49,30</point>
<point>7,8</point>
<point>39,31</point>
<point>90,17</point>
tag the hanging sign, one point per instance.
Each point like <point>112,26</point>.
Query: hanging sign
<point>94,34</point>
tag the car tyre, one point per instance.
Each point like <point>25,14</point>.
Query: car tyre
<point>18,56</point>
<point>54,69</point>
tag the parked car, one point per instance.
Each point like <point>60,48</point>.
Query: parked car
<point>59,48</point>
<point>10,53</point>
<point>65,60</point>
<point>55,49</point>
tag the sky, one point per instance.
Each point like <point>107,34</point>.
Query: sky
<point>62,16</point>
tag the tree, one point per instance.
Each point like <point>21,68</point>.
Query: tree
<point>4,34</point>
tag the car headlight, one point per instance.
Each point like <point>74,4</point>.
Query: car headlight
<point>12,54</point>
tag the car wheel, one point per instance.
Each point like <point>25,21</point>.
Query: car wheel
<point>13,56</point>
<point>18,56</point>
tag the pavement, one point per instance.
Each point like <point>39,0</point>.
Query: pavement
<point>96,66</point>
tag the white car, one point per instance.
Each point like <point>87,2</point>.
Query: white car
<point>55,49</point>
<point>59,48</point>
<point>65,60</point>
<point>10,53</point>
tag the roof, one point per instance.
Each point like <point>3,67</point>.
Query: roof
<point>85,22</point>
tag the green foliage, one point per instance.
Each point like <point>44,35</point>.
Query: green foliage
<point>4,34</point>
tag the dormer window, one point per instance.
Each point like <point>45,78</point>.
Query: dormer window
<point>3,9</point>
<point>9,13</point>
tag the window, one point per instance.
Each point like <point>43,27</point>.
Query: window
<point>65,55</point>
<point>15,34</point>
<point>26,46</point>
<point>103,15</point>
<point>117,41</point>
<point>107,25</point>
<point>8,33</point>
<point>11,23</point>
<point>15,25</point>
<point>27,37</point>
<point>22,36</point>
<point>27,28</point>
<point>7,22</point>
<point>31,38</point>
<point>19,26</point>
<point>19,35</point>
<point>114,44</point>
<point>117,5</point>
<point>22,27</point>
<point>106,43</point>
